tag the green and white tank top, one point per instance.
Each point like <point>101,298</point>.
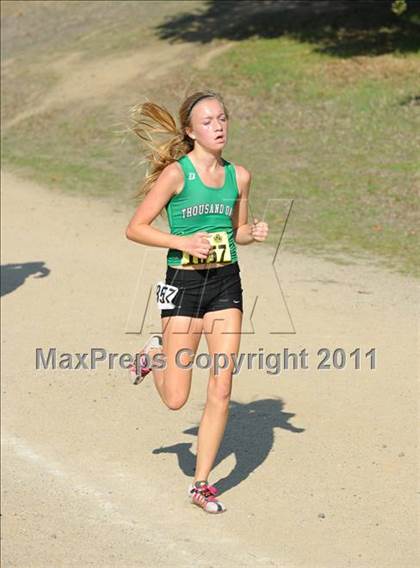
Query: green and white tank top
<point>199,207</point>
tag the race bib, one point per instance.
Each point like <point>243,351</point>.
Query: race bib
<point>219,252</point>
<point>165,293</point>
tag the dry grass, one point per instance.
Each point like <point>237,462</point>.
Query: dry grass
<point>382,67</point>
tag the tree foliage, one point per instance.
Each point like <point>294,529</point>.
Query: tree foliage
<point>399,6</point>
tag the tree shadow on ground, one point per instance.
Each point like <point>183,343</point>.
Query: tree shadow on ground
<point>14,275</point>
<point>340,28</point>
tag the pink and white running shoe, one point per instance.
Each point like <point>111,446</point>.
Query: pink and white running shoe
<point>139,368</point>
<point>204,495</point>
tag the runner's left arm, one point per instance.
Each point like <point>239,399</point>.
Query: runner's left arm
<point>241,227</point>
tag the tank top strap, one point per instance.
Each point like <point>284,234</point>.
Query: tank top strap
<point>186,166</point>
<point>231,172</point>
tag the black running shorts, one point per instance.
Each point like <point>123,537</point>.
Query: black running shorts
<point>203,290</point>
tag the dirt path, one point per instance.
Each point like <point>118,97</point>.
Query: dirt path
<point>318,468</point>
<point>86,82</point>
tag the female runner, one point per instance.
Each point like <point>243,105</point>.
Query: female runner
<point>206,200</point>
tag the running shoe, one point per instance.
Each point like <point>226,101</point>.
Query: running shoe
<point>139,367</point>
<point>204,495</point>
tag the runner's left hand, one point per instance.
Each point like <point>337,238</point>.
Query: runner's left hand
<point>259,230</point>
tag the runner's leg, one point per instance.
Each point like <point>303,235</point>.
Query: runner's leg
<point>173,383</point>
<point>222,337</point>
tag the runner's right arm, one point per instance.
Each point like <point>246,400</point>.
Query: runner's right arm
<point>140,230</point>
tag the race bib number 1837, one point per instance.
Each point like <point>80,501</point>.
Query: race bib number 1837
<point>219,252</point>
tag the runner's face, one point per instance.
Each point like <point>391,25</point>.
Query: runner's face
<point>209,124</point>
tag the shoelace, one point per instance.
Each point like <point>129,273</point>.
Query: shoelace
<point>208,491</point>
<point>143,362</point>
<point>142,366</point>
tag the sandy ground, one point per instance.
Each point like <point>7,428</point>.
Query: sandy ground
<point>318,468</point>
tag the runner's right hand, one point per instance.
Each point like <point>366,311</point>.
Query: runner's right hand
<point>197,245</point>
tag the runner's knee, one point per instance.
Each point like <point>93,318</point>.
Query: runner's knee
<point>219,390</point>
<point>175,402</point>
